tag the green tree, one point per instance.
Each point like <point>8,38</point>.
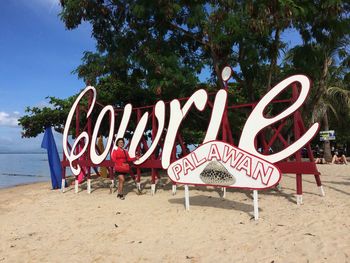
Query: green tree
<point>147,50</point>
<point>325,30</point>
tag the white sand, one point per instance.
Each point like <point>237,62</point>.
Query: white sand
<point>41,225</point>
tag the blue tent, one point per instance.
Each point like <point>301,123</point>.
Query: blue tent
<point>49,144</point>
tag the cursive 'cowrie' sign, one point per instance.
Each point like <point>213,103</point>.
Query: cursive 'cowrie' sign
<point>256,122</point>
<point>213,162</point>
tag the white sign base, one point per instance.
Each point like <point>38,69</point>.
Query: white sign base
<point>111,187</point>
<point>299,199</point>
<point>63,185</point>
<point>76,187</point>
<point>174,189</point>
<point>153,189</point>
<point>322,190</point>
<point>187,198</point>
<point>223,189</point>
<point>256,204</point>
<point>89,186</point>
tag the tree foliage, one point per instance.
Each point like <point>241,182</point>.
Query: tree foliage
<point>150,50</point>
<point>324,56</point>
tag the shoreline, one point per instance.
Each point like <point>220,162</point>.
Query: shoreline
<point>70,178</point>
<point>23,184</point>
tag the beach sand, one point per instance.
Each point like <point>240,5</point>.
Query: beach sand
<point>43,225</point>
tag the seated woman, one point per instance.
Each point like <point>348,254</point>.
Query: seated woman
<point>339,158</point>
<point>320,158</point>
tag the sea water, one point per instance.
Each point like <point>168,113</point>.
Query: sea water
<point>23,168</point>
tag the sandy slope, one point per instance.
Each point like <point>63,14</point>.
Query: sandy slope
<point>40,225</point>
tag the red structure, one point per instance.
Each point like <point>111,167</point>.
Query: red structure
<point>276,136</point>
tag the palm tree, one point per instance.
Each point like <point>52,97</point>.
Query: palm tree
<point>329,89</point>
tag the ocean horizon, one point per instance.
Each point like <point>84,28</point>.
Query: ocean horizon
<point>18,168</point>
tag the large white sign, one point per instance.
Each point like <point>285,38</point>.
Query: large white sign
<point>254,124</point>
<point>221,164</point>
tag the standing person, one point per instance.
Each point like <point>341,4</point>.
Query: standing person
<point>121,157</point>
<point>345,147</point>
<point>332,150</point>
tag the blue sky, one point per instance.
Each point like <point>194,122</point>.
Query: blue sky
<point>37,56</point>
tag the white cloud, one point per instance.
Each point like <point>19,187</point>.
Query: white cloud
<point>51,4</point>
<point>44,104</point>
<point>9,119</point>
<point>5,140</point>
<point>48,3</point>
<point>36,5</point>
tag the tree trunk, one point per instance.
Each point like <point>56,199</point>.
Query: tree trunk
<point>274,55</point>
<point>217,68</point>
<point>247,81</point>
<point>327,144</point>
<point>322,86</point>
